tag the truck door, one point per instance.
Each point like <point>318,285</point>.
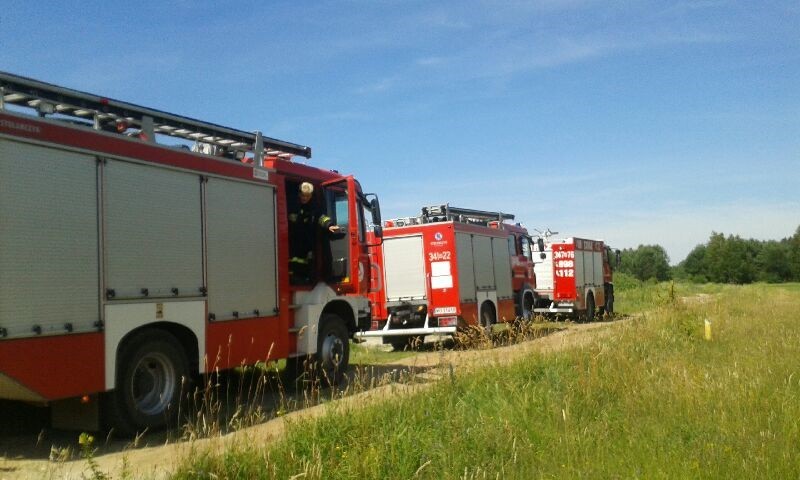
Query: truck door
<point>340,201</point>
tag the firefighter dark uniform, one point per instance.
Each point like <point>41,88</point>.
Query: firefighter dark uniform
<point>303,225</point>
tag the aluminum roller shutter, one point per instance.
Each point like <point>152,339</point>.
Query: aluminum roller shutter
<point>502,268</point>
<point>240,223</point>
<point>48,240</point>
<point>466,272</point>
<point>153,231</point>
<point>403,260</point>
<point>484,266</point>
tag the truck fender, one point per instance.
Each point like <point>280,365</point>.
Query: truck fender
<point>310,307</point>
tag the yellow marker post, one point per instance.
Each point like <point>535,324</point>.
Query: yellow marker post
<point>708,329</point>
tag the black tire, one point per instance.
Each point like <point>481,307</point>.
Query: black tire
<point>588,315</point>
<point>328,365</point>
<point>610,303</point>
<point>527,307</point>
<point>152,374</point>
<point>333,349</point>
<point>488,317</point>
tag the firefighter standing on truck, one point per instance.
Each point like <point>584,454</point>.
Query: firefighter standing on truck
<point>303,224</point>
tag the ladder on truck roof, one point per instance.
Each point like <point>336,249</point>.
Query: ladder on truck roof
<point>443,213</point>
<point>49,99</point>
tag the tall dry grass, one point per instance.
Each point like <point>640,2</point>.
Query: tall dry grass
<point>652,399</point>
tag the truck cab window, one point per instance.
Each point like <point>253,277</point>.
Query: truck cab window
<point>341,213</point>
<point>526,248</point>
<point>336,199</point>
<point>363,221</point>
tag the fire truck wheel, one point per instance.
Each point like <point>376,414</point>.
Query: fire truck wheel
<point>333,349</point>
<point>589,314</point>
<point>610,304</point>
<point>150,380</point>
<point>527,307</point>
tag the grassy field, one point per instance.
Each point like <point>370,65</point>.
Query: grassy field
<point>651,399</point>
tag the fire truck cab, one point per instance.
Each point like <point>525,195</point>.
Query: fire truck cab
<point>140,248</point>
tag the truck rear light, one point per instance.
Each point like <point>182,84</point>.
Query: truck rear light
<point>448,321</point>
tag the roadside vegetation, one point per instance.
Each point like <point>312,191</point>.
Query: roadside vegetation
<point>648,398</point>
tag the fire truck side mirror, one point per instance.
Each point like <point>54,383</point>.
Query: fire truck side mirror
<point>618,256</point>
<point>540,244</point>
<point>375,209</point>
<point>377,230</point>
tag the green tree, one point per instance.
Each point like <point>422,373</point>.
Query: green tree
<point>646,262</point>
<point>731,259</point>
<point>695,264</point>
<point>772,262</point>
<point>793,255</point>
<point>715,258</point>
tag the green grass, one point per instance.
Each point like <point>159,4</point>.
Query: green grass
<point>652,399</point>
<point>634,296</point>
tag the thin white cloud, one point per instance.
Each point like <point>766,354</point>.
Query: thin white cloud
<point>510,54</point>
<point>381,85</point>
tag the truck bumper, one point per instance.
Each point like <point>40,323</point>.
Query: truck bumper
<point>406,332</point>
<point>554,308</point>
<point>425,330</point>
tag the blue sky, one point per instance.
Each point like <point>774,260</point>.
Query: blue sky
<point>638,122</point>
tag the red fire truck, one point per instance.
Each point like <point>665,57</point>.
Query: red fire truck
<point>139,248</point>
<point>573,276</point>
<point>446,268</point>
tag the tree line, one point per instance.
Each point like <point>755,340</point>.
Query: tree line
<point>723,259</point>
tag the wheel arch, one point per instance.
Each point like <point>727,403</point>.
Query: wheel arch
<point>584,315</point>
<point>343,310</point>
<point>184,335</point>
<point>589,291</point>
<point>490,302</point>
<point>186,321</point>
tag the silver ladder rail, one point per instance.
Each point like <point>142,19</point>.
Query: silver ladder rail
<point>446,212</point>
<point>49,99</point>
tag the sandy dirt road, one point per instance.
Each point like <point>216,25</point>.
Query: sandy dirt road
<point>29,450</point>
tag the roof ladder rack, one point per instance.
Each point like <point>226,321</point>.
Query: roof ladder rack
<point>97,112</point>
<point>441,213</point>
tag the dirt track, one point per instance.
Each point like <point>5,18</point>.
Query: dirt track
<point>27,453</point>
